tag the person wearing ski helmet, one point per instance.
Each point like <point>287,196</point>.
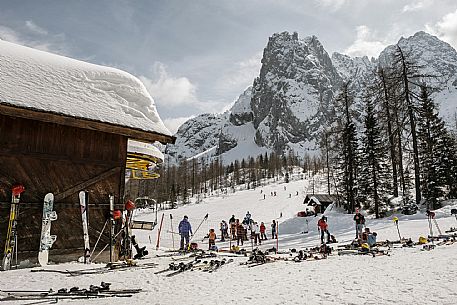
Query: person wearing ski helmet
<point>185,230</point>
<point>359,223</point>
<point>323,227</point>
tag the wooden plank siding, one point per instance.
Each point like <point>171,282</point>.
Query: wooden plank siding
<point>49,157</point>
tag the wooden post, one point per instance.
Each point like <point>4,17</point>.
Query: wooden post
<point>158,233</point>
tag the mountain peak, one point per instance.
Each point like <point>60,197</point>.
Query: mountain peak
<point>291,100</point>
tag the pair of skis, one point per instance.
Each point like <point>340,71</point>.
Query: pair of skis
<point>11,236</point>
<point>46,239</point>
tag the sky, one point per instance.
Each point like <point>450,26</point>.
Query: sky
<point>198,56</point>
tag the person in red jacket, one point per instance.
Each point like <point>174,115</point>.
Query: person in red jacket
<point>262,231</point>
<point>323,227</point>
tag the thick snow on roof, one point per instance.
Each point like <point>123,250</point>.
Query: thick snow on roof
<point>142,148</point>
<point>40,80</point>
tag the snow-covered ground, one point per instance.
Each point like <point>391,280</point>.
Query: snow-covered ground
<point>407,276</point>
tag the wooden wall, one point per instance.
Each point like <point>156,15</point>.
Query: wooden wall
<point>47,157</point>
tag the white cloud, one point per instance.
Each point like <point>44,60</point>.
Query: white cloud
<point>9,34</point>
<point>334,5</point>
<point>416,6</point>
<point>366,43</point>
<point>445,29</point>
<point>242,73</point>
<point>170,91</point>
<point>35,28</point>
<point>51,43</point>
<point>173,123</point>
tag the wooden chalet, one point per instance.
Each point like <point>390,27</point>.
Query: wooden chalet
<point>48,151</point>
<point>321,200</point>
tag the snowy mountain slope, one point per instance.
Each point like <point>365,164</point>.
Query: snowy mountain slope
<point>408,275</point>
<point>291,100</point>
<point>52,83</point>
<point>436,59</point>
<point>197,135</point>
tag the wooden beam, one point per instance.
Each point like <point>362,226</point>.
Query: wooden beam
<point>53,157</point>
<point>81,186</point>
<point>51,117</point>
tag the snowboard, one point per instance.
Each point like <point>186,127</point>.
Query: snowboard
<point>83,205</point>
<point>46,238</point>
<point>11,235</point>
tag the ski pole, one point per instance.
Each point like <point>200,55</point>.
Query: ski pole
<point>106,246</point>
<point>395,219</point>
<point>158,233</point>
<point>99,236</point>
<point>172,236</point>
<point>195,232</point>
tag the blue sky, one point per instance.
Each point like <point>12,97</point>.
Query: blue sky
<point>197,56</point>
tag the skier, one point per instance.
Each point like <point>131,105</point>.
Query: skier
<point>372,239</point>
<point>232,227</point>
<point>184,229</point>
<point>255,234</point>
<point>239,232</point>
<point>359,223</point>
<point>248,217</point>
<point>211,239</point>
<point>273,230</point>
<point>262,231</point>
<point>323,227</point>
<point>365,235</point>
<point>224,229</point>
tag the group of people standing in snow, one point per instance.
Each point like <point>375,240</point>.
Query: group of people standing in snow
<point>361,236</point>
<point>239,230</point>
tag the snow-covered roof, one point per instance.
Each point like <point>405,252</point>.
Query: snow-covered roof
<point>46,82</point>
<point>141,148</point>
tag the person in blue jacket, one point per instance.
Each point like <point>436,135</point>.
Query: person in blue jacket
<point>184,230</point>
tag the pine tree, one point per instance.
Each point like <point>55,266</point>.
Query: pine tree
<point>431,135</point>
<point>406,71</point>
<point>373,170</point>
<point>348,150</point>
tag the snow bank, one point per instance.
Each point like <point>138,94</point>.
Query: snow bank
<point>47,82</point>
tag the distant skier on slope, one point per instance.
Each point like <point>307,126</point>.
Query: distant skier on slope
<point>184,229</point>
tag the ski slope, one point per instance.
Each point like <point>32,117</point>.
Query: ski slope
<point>407,276</point>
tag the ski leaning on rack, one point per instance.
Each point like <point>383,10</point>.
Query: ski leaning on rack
<point>83,203</point>
<point>47,240</point>
<point>11,235</point>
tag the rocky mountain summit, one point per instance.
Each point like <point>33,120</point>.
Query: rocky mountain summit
<point>290,102</point>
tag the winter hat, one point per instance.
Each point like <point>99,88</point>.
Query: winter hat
<point>185,217</point>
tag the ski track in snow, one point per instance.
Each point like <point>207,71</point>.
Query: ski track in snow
<point>407,276</point>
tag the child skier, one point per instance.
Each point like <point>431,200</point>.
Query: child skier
<point>211,239</point>
<point>262,231</point>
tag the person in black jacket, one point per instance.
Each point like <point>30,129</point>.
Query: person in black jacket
<point>359,223</point>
